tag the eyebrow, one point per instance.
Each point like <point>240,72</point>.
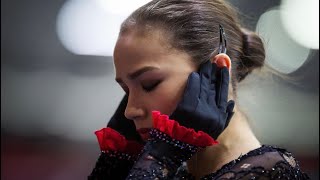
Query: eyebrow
<point>137,73</point>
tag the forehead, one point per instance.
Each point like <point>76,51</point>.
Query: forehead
<point>138,44</point>
<point>135,49</point>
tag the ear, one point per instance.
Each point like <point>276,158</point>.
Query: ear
<point>222,60</point>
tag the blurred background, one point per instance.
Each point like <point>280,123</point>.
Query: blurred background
<point>57,82</point>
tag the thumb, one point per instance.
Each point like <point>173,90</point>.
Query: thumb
<point>230,106</point>
<point>229,111</point>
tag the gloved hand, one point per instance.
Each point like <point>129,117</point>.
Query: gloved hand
<point>123,125</point>
<point>205,105</point>
<point>119,144</point>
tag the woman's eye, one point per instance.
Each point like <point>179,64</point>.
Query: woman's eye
<point>151,86</point>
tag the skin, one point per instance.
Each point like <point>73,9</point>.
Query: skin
<point>169,69</point>
<point>172,69</point>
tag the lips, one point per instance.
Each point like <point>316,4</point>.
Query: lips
<point>144,133</point>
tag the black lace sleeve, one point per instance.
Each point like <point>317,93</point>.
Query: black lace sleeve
<point>112,165</point>
<point>161,157</point>
<point>263,163</point>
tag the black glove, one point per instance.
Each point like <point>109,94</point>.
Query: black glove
<point>123,125</point>
<point>205,105</point>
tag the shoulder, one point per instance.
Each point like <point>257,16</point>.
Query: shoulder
<point>267,161</point>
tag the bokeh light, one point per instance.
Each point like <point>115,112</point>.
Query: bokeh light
<point>301,21</point>
<point>121,7</point>
<point>282,52</point>
<point>85,28</point>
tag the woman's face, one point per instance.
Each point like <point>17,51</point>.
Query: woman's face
<point>153,75</point>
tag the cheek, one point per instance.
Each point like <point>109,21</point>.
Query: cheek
<point>168,96</point>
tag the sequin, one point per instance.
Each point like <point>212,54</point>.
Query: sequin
<point>110,163</point>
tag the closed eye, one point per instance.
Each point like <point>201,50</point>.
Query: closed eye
<point>150,87</point>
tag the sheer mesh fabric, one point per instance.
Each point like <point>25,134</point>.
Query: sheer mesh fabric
<point>266,162</point>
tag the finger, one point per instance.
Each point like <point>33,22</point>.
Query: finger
<point>117,118</point>
<point>223,87</point>
<point>230,112</point>
<point>205,76</point>
<point>119,113</point>
<point>192,90</point>
<point>230,106</point>
<point>214,69</point>
<point>121,124</point>
<point>212,89</point>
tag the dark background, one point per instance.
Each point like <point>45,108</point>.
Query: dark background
<point>53,100</point>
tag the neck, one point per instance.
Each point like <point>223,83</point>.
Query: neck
<point>235,140</point>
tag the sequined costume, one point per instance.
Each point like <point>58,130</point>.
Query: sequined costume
<point>164,156</point>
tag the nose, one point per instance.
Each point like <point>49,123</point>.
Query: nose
<point>133,110</point>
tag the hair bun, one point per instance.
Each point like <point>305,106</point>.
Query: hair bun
<point>253,53</point>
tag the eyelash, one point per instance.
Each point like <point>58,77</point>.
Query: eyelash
<point>152,87</point>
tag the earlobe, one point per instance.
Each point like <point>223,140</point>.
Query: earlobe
<point>222,60</point>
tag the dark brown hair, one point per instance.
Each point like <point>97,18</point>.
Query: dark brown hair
<point>193,27</point>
